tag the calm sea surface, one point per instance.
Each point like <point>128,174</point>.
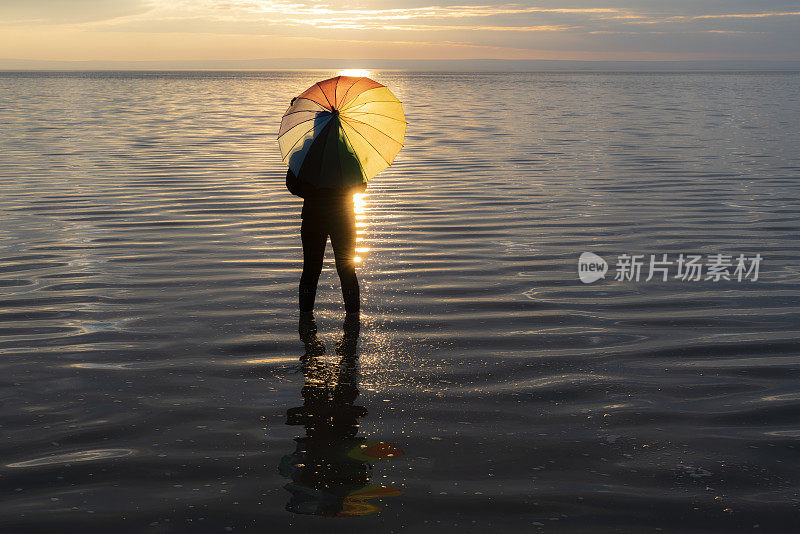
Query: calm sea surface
<point>150,358</point>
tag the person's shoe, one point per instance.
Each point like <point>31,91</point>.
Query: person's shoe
<point>352,324</point>
<point>307,327</point>
<point>352,300</point>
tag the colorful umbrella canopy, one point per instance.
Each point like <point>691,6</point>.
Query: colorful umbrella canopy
<point>342,131</point>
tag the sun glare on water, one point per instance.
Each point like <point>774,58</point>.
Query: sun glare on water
<point>359,202</point>
<point>355,72</point>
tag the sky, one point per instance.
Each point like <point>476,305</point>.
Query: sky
<point>222,31</point>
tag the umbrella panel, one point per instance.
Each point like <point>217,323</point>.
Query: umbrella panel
<point>331,160</point>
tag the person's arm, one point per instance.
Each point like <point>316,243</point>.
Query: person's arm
<point>298,187</point>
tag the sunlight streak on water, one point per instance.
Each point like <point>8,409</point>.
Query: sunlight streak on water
<point>79,456</point>
<point>355,72</point>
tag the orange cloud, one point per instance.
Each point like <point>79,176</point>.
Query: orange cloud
<point>739,16</point>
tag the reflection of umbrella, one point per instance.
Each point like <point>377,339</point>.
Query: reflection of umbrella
<point>342,132</point>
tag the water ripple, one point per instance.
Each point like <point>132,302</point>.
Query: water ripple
<point>148,275</point>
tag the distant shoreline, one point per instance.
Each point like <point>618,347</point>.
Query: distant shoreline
<point>432,66</point>
<point>425,72</point>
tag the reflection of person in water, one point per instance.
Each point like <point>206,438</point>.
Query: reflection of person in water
<point>331,468</point>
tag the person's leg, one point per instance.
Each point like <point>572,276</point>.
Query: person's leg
<point>343,240</point>
<point>314,237</point>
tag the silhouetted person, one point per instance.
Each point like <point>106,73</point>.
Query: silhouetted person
<point>331,467</point>
<point>327,212</point>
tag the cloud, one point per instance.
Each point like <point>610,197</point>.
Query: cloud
<point>66,12</point>
<point>738,16</point>
<point>437,28</point>
<point>324,10</point>
<point>256,28</point>
<point>275,16</point>
<point>248,12</point>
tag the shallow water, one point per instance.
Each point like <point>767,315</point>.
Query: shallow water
<point>149,336</point>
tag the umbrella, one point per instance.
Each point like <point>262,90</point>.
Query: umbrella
<point>341,132</point>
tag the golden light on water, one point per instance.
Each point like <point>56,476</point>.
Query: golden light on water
<point>355,72</point>
<point>359,201</point>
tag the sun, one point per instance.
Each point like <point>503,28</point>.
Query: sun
<point>355,72</point>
